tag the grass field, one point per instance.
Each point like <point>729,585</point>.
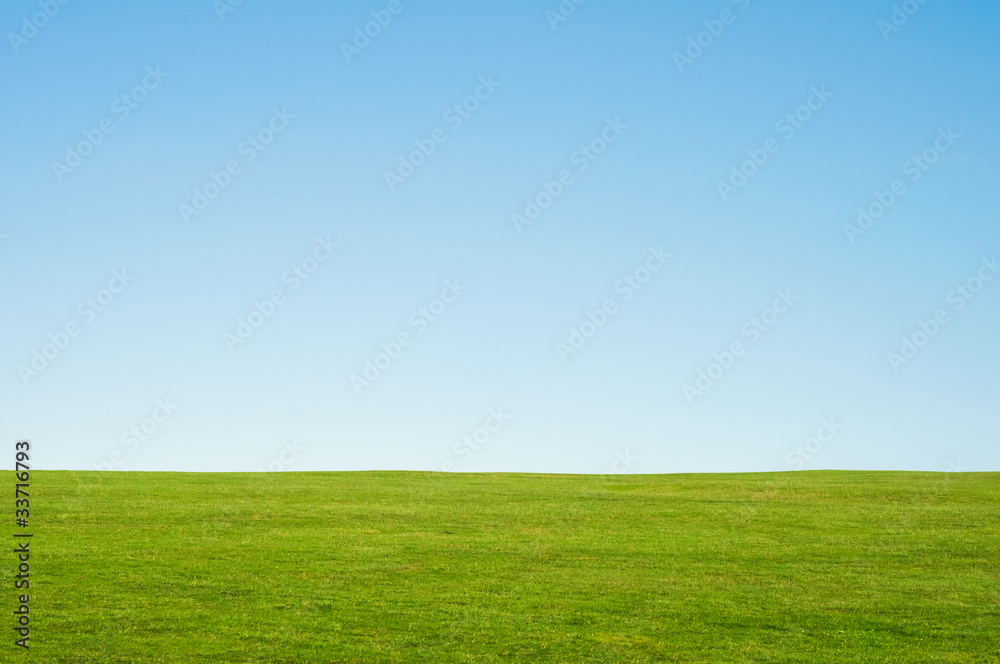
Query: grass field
<point>421,567</point>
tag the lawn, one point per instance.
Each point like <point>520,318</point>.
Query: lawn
<point>834,567</point>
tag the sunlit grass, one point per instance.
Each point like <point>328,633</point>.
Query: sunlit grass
<point>419,567</point>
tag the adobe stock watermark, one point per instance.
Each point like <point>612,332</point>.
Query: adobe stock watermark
<point>455,116</point>
<point>469,444</point>
<point>363,37</point>
<point>714,28</point>
<point>752,330</point>
<point>899,17</point>
<point>290,452</point>
<point>139,433</point>
<point>121,108</point>
<point>562,13</point>
<point>958,298</point>
<point>582,158</point>
<point>249,149</point>
<point>223,7</point>
<point>957,466</point>
<point>626,287</point>
<point>420,320</point>
<point>914,167</point>
<point>30,25</point>
<point>800,454</point>
<point>87,312</point>
<point>786,127</point>
<point>623,462</point>
<point>293,277</point>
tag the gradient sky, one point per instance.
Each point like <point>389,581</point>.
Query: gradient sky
<point>618,403</point>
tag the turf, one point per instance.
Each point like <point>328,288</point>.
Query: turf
<point>424,567</point>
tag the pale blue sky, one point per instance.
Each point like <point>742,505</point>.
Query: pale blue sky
<point>199,87</point>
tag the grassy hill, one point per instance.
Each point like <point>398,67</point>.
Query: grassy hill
<point>420,567</point>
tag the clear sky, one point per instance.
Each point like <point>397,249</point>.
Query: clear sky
<point>605,237</point>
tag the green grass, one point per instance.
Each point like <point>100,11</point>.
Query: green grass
<point>421,567</point>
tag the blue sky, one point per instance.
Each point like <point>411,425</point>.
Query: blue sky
<point>165,98</point>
